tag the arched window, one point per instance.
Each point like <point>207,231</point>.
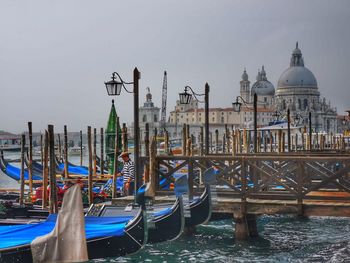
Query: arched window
<point>299,104</point>
<point>305,103</point>
<point>155,118</point>
<point>144,118</point>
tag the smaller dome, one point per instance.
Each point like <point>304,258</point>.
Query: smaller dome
<point>245,75</point>
<point>262,86</point>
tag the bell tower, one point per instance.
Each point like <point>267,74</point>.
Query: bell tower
<point>245,87</point>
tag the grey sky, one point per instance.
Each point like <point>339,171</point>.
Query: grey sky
<point>55,55</point>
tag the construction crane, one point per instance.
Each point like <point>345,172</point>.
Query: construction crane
<point>164,99</point>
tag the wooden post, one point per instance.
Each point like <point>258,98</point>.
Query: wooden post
<point>94,152</point>
<point>283,142</point>
<point>166,142</point>
<point>90,194</point>
<point>41,149</point>
<point>241,227</point>
<point>190,180</point>
<point>81,148</point>
<point>152,167</point>
<point>21,193</point>
<point>102,165</point>
<point>234,142</point>
<point>125,138</point>
<point>115,168</point>
<point>147,153</point>
<point>184,139</point>
<point>245,141</point>
<point>45,170</point>
<point>223,143</point>
<point>30,167</point>
<point>296,142</point>
<point>279,141</point>
<point>216,141</point>
<point>300,177</point>
<point>59,147</point>
<point>202,141</point>
<point>66,175</point>
<point>271,142</point>
<point>53,188</point>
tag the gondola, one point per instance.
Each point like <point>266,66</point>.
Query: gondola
<point>200,209</point>
<point>105,236</point>
<point>165,222</point>
<point>15,172</point>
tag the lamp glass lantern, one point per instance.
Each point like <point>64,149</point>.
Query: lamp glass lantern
<point>236,106</point>
<point>113,87</point>
<point>185,97</point>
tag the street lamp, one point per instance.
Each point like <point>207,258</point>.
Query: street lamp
<point>237,108</point>
<point>185,98</point>
<point>114,87</point>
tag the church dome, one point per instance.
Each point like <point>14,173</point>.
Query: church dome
<point>297,75</point>
<point>263,87</point>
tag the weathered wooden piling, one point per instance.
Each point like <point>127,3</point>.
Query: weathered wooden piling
<point>147,152</point>
<point>30,165</point>
<point>81,148</point>
<point>102,165</point>
<point>125,138</point>
<point>216,141</point>
<point>45,170</point>
<point>184,139</point>
<point>94,152</point>
<point>90,194</point>
<point>53,207</point>
<point>65,152</point>
<point>21,192</point>
<point>41,150</point>
<point>59,147</point>
<point>115,168</point>
<point>153,178</point>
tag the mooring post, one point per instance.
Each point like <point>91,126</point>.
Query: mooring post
<point>65,153</point>
<point>102,165</point>
<point>21,193</point>
<point>59,147</point>
<point>241,226</point>
<point>81,148</point>
<point>90,194</point>
<point>216,141</point>
<point>94,152</point>
<point>53,187</point>
<point>184,138</point>
<point>46,169</point>
<point>224,143</point>
<point>147,152</point>
<point>300,179</point>
<point>30,167</point>
<point>115,168</point>
<point>41,149</point>
<point>202,141</point>
<point>125,138</point>
<point>152,167</point>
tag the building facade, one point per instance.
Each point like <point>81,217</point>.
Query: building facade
<point>297,90</point>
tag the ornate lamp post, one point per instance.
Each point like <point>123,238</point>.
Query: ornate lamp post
<point>237,108</point>
<point>114,87</point>
<point>185,98</point>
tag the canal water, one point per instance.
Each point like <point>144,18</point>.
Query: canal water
<point>282,239</point>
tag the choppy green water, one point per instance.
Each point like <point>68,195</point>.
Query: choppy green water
<point>282,239</point>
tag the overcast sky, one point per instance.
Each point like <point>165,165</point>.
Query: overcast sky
<point>56,55</point>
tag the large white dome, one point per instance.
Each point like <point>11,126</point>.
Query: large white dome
<point>297,77</point>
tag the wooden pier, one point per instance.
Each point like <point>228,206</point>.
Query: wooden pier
<point>248,185</point>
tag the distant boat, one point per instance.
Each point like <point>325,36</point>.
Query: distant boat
<point>76,151</point>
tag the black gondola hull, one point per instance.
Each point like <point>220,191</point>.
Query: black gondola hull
<point>167,227</point>
<point>200,211</point>
<point>134,238</point>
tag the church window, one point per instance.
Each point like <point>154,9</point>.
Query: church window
<point>265,99</point>
<point>222,119</point>
<point>299,102</point>
<point>305,104</point>
<point>155,118</point>
<point>144,118</point>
